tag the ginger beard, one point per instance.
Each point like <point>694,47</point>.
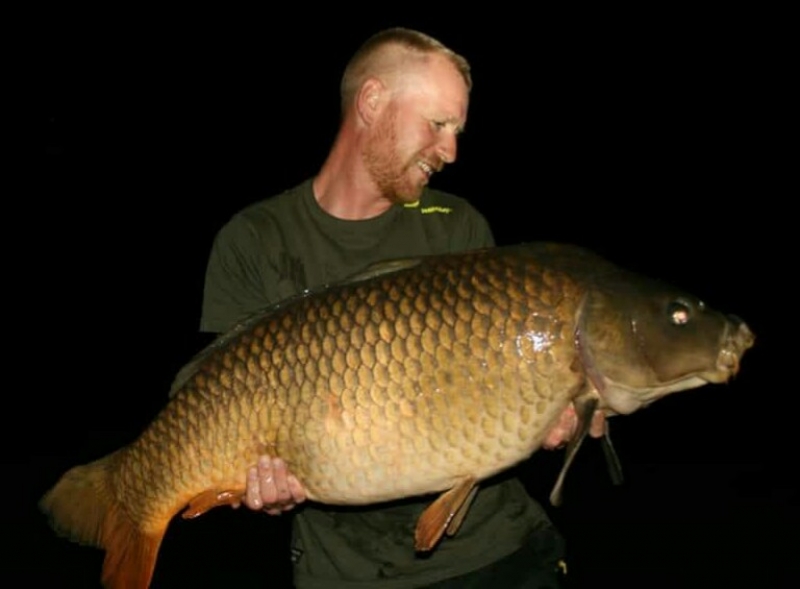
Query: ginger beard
<point>399,179</point>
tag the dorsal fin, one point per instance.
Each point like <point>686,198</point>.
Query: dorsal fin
<point>383,268</point>
<point>372,271</point>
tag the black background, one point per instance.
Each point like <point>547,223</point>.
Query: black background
<point>655,139</point>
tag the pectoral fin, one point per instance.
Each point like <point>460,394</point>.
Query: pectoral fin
<point>584,408</point>
<point>445,514</point>
<point>612,460</point>
<point>210,499</point>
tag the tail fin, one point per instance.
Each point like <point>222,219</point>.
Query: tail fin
<point>82,507</point>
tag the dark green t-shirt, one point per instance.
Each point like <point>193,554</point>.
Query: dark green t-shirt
<point>281,246</point>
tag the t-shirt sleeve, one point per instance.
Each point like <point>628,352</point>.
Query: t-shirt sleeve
<point>473,230</point>
<point>237,277</point>
<point>482,232</point>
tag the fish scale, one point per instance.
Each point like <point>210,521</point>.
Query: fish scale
<point>426,378</point>
<point>414,370</point>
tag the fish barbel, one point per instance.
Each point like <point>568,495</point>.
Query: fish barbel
<point>420,376</point>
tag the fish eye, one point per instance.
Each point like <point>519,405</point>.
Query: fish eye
<point>679,312</point>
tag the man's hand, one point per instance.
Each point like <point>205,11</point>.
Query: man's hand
<point>272,488</point>
<point>567,426</point>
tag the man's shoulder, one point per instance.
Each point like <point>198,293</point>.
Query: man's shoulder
<point>290,197</point>
<point>261,220</point>
<point>265,214</point>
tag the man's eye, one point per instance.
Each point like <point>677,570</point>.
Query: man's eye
<point>438,125</point>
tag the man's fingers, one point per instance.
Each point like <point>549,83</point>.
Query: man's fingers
<point>598,425</point>
<point>267,481</point>
<point>563,430</point>
<point>252,496</point>
<point>272,488</point>
<point>282,494</point>
<point>296,489</point>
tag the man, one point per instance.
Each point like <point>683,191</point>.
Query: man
<point>404,102</point>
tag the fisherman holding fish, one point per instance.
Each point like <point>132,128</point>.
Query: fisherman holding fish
<point>398,374</point>
<point>404,102</point>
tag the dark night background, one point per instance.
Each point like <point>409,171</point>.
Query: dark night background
<point>653,139</point>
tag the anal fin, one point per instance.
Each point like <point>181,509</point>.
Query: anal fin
<point>210,499</point>
<point>446,513</point>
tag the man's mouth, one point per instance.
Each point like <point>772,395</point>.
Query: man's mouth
<point>428,169</point>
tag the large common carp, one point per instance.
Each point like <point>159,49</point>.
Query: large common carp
<point>421,376</point>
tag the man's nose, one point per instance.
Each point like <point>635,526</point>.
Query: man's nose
<point>447,148</point>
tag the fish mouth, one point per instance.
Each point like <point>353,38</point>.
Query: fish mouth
<point>738,338</point>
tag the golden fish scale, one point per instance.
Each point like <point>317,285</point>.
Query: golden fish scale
<point>373,391</point>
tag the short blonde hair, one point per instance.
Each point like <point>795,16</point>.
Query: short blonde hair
<point>389,51</point>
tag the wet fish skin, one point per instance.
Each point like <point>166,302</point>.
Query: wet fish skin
<point>426,378</point>
<point>374,391</point>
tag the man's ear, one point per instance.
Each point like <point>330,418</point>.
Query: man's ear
<point>369,100</point>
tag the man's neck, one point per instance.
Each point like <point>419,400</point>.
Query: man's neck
<point>343,187</point>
